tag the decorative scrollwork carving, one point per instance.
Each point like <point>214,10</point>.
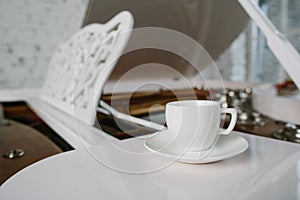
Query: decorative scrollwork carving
<point>80,66</point>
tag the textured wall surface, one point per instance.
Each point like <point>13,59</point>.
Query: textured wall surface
<point>29,32</point>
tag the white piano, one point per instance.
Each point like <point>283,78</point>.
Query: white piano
<point>104,167</point>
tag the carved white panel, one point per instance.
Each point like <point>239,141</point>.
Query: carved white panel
<point>80,67</point>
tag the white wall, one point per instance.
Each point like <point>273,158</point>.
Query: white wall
<point>29,32</point>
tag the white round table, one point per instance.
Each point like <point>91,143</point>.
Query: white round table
<point>268,165</point>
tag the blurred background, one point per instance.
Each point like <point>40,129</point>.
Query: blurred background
<point>31,29</point>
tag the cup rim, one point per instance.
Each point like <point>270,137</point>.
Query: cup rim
<point>192,103</point>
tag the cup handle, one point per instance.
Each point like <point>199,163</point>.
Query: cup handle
<point>232,123</point>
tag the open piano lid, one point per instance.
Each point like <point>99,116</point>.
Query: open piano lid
<point>205,21</point>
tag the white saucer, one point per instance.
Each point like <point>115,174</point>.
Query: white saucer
<point>226,147</point>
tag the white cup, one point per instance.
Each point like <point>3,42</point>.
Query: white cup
<point>195,124</point>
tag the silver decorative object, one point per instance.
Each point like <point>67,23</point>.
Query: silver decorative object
<point>242,101</point>
<point>290,132</point>
<point>14,153</point>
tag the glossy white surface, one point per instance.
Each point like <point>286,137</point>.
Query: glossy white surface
<point>269,169</point>
<point>226,147</point>
<point>75,132</point>
<point>284,108</point>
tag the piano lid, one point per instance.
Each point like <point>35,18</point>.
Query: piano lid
<point>212,23</point>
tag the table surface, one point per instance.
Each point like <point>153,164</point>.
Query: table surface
<point>114,169</point>
<point>269,169</point>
